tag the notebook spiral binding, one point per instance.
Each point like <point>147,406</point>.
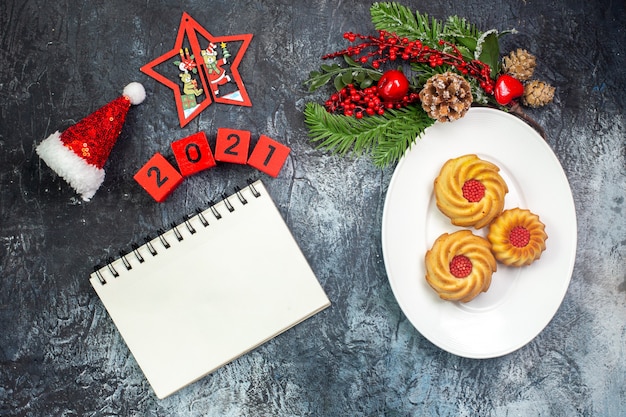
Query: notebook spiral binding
<point>202,215</point>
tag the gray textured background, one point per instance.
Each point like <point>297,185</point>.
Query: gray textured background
<point>60,354</point>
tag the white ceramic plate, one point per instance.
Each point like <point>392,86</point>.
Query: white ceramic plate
<point>520,301</point>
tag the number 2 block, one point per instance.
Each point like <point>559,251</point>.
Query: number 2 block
<point>158,177</point>
<point>232,145</point>
<point>269,156</point>
<point>193,154</point>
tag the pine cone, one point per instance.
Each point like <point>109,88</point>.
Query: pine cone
<point>537,94</point>
<point>446,97</point>
<point>519,64</point>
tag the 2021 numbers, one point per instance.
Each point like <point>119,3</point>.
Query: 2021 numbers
<point>193,154</point>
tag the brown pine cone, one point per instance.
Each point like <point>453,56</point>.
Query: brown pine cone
<point>519,64</point>
<point>446,97</point>
<point>537,94</point>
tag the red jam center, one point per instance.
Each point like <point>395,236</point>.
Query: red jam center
<point>473,190</point>
<point>519,236</point>
<point>460,266</point>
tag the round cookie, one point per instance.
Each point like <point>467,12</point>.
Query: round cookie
<point>517,237</point>
<point>470,191</point>
<point>459,266</point>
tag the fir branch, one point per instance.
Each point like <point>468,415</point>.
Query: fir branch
<point>395,18</point>
<point>457,27</point>
<point>385,137</point>
<point>339,134</point>
<point>393,145</point>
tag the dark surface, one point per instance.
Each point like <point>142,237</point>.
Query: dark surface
<point>60,354</point>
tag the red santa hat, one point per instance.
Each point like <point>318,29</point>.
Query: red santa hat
<point>79,153</point>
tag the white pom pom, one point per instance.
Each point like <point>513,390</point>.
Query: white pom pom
<point>135,93</point>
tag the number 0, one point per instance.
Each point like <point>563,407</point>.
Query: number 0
<point>198,156</point>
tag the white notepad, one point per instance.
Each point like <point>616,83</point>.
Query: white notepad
<point>209,290</point>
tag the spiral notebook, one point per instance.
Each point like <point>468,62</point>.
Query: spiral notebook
<point>209,289</point>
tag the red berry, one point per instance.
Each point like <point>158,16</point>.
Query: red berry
<point>473,190</point>
<point>460,266</point>
<point>393,85</point>
<point>519,236</point>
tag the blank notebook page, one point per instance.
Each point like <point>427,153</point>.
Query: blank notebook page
<point>216,294</point>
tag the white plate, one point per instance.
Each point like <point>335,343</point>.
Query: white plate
<point>520,301</point>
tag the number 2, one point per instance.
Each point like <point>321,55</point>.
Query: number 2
<point>232,145</point>
<point>157,172</point>
<point>158,177</point>
<point>229,150</point>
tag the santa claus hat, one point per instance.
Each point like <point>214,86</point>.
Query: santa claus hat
<point>79,153</point>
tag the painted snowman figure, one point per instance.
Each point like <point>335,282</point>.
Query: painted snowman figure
<point>216,74</point>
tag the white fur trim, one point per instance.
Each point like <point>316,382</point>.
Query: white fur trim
<point>82,176</point>
<point>135,93</point>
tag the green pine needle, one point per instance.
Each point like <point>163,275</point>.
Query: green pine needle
<point>395,18</point>
<point>457,27</point>
<point>411,124</point>
<point>385,137</point>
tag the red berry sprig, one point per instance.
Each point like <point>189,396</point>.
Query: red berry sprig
<point>351,101</point>
<point>390,47</point>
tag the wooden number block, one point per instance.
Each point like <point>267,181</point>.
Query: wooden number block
<point>269,156</point>
<point>158,177</point>
<point>232,145</point>
<point>193,154</point>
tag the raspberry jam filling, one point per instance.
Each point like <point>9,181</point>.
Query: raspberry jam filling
<point>460,266</point>
<point>519,236</point>
<point>473,190</point>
